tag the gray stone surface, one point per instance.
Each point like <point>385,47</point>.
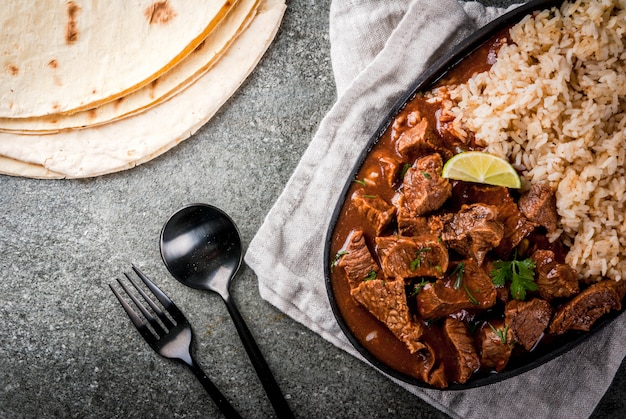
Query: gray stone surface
<point>66,347</point>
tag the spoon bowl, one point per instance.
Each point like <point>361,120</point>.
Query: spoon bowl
<point>201,247</point>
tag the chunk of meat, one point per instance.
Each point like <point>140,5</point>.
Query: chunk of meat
<point>474,231</point>
<point>467,287</point>
<point>554,280</point>
<point>495,342</point>
<point>411,225</point>
<point>434,371</point>
<point>424,188</point>
<point>516,226</point>
<point>404,121</point>
<point>582,311</point>
<point>418,140</point>
<point>527,320</point>
<point>386,300</point>
<point>377,211</point>
<point>408,257</point>
<point>465,354</point>
<point>357,261</point>
<point>417,225</point>
<point>538,204</point>
<point>390,169</point>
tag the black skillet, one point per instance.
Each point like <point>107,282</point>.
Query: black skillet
<point>519,365</point>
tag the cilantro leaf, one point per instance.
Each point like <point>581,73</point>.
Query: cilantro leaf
<point>417,262</point>
<point>458,271</point>
<point>520,273</point>
<point>371,275</point>
<point>500,333</point>
<point>336,258</point>
<point>418,287</point>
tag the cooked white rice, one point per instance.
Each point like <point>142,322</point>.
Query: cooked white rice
<point>554,105</point>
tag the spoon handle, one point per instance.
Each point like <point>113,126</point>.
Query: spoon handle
<point>258,361</point>
<point>222,402</point>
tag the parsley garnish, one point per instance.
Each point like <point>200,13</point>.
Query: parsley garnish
<point>369,196</point>
<point>501,333</point>
<point>426,174</point>
<point>458,271</point>
<point>520,273</point>
<point>417,262</point>
<point>405,169</point>
<point>418,287</point>
<point>360,181</point>
<point>336,259</point>
<point>370,276</point>
<point>472,299</point>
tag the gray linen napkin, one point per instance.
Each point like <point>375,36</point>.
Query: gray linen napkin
<point>378,49</point>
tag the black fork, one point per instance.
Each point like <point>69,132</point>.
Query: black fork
<point>169,333</point>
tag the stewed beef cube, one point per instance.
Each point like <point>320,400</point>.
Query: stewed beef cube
<point>527,320</point>
<point>409,257</point>
<point>424,188</point>
<point>554,280</point>
<point>466,287</point>
<point>417,225</point>
<point>386,300</point>
<point>411,225</point>
<point>474,231</point>
<point>390,169</point>
<point>377,211</point>
<point>516,226</point>
<point>495,342</point>
<point>466,359</point>
<point>538,204</point>
<point>582,311</point>
<point>418,140</point>
<point>356,260</point>
<point>434,371</point>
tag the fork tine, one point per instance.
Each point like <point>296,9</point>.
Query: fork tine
<point>134,317</point>
<point>166,321</point>
<point>131,313</point>
<point>153,322</point>
<point>161,296</point>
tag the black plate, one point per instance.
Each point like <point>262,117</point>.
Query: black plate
<point>559,345</point>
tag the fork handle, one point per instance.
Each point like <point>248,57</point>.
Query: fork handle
<point>258,361</point>
<point>222,402</point>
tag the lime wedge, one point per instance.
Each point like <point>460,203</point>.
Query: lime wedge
<point>479,167</point>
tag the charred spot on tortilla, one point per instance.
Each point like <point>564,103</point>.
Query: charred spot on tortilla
<point>13,70</point>
<point>53,64</point>
<point>160,13</point>
<point>71,29</point>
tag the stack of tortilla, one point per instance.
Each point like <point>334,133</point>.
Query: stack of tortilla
<point>89,88</point>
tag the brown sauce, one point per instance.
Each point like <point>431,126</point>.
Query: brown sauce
<point>370,333</point>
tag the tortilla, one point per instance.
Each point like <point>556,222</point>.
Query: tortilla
<point>14,167</point>
<point>179,77</point>
<point>134,140</point>
<point>82,53</point>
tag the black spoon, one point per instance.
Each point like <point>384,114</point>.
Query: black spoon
<point>201,247</point>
